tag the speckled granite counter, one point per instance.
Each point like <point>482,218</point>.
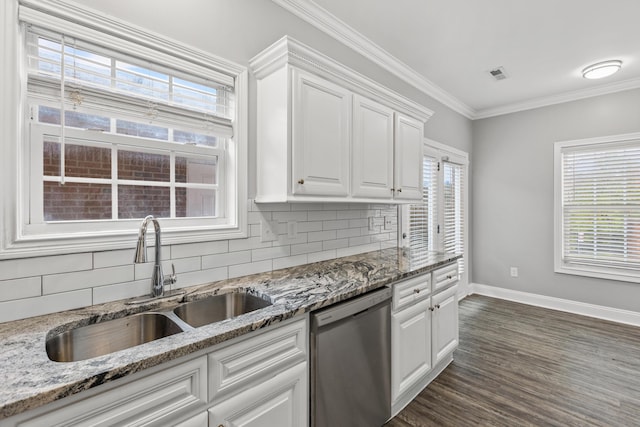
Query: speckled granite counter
<point>29,379</point>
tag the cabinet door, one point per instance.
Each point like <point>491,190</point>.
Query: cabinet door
<point>408,158</point>
<point>445,323</point>
<point>321,122</point>
<point>372,149</point>
<point>280,401</point>
<point>410,346</point>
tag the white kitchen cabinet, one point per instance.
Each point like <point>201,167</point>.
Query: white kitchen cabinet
<point>160,398</point>
<point>326,133</point>
<point>424,333</point>
<point>321,121</point>
<point>410,347</point>
<point>408,147</point>
<point>372,149</point>
<point>259,379</point>
<point>445,323</point>
<point>280,401</point>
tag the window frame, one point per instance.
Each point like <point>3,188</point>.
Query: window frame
<point>560,266</point>
<point>441,152</point>
<point>16,240</point>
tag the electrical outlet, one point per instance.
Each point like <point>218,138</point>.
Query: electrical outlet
<point>268,231</point>
<point>388,223</point>
<point>514,271</point>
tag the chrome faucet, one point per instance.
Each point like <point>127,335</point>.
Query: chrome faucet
<point>158,280</point>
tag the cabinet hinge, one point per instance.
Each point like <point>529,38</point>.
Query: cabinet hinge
<point>438,166</point>
<point>438,229</point>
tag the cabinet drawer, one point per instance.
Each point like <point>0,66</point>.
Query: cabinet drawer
<point>251,362</point>
<point>157,399</point>
<point>411,290</point>
<point>445,276</point>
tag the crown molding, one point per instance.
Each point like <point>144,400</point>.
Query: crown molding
<point>288,51</point>
<point>320,18</point>
<point>558,99</point>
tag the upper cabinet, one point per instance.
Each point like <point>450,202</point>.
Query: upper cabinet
<point>327,133</point>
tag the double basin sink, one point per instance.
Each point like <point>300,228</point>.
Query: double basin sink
<point>106,337</point>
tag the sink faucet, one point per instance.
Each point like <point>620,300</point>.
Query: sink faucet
<point>158,280</point>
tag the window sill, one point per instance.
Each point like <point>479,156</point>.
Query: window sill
<point>600,273</point>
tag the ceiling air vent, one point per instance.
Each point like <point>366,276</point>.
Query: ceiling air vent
<point>498,73</point>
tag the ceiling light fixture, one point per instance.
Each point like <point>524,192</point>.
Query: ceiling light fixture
<point>601,69</point>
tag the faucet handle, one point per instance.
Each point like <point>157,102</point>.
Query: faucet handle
<point>173,277</point>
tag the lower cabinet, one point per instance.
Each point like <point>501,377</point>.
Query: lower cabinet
<point>280,401</point>
<point>424,334</point>
<point>410,346</point>
<point>257,380</point>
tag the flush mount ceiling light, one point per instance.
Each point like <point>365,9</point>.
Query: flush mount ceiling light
<point>601,69</point>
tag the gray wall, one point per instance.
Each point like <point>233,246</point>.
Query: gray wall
<point>513,196</point>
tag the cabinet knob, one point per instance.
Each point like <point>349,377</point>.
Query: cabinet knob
<point>431,308</point>
<point>301,181</point>
<point>437,305</point>
<point>416,291</point>
<point>399,190</point>
<point>449,277</point>
<point>393,189</point>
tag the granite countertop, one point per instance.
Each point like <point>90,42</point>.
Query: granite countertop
<point>29,379</point>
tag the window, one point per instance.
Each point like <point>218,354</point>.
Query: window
<point>597,204</point>
<point>439,222</point>
<point>120,127</point>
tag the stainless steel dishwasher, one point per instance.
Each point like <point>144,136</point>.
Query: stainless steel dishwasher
<point>351,362</point>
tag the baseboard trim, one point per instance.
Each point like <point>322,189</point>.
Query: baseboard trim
<point>598,311</point>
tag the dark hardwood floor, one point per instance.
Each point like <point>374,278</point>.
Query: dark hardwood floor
<point>519,365</point>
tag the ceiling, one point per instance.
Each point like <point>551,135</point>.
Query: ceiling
<point>446,47</point>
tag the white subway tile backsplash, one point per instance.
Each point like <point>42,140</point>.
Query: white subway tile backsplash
<point>65,282</point>
<point>322,215</point>
<point>317,236</point>
<point>201,277</point>
<point>324,231</point>
<point>115,258</point>
<point>352,250</point>
<point>351,214</point>
<point>107,293</point>
<point>322,256</point>
<point>289,216</point>
<point>290,261</point>
<point>248,243</point>
<point>269,253</point>
<point>335,225</point>
<point>335,244</point>
<point>250,268</point>
<point>28,267</point>
<point>20,288</point>
<point>223,260</point>
<point>29,307</point>
<point>310,226</point>
<point>196,249</point>
<point>348,232</point>
<point>306,248</point>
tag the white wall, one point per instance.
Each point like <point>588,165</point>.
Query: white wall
<point>236,30</point>
<point>513,196</point>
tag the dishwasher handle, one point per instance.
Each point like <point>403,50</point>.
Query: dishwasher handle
<point>349,308</point>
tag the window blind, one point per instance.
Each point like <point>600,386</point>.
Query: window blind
<point>422,216</point>
<point>601,205</point>
<point>453,210</point>
<point>88,76</point>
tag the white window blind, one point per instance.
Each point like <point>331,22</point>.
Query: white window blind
<point>600,196</point>
<point>453,210</point>
<point>422,217</point>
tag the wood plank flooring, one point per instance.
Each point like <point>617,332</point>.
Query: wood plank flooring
<point>519,365</point>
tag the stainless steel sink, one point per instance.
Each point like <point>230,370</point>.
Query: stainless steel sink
<point>103,338</point>
<point>219,307</point>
